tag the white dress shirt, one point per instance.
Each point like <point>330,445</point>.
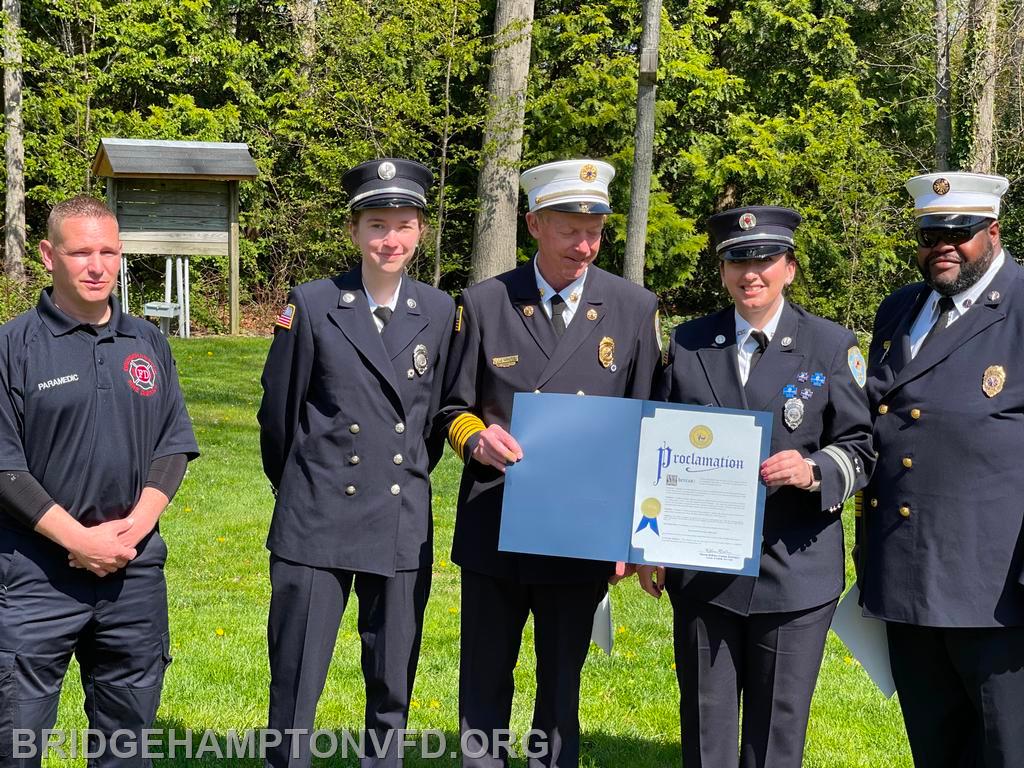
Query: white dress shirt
<point>390,304</point>
<point>572,294</point>
<point>745,344</point>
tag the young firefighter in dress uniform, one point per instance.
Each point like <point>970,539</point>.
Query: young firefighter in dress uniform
<point>941,537</point>
<point>554,324</point>
<point>764,637</point>
<point>94,442</point>
<point>350,387</point>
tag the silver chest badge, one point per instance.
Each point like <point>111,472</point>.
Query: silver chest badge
<point>793,412</point>
<point>419,359</point>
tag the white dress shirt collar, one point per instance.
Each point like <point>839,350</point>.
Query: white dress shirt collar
<point>572,293</point>
<point>390,304</point>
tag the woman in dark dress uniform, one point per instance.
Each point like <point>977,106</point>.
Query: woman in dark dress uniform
<point>763,638</point>
<point>350,389</point>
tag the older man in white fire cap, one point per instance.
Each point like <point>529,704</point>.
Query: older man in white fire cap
<point>555,324</point>
<point>941,532</point>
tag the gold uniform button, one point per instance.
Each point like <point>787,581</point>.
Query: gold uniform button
<point>905,511</point>
<point>395,489</point>
<point>350,490</point>
<point>883,409</point>
<point>354,429</point>
<point>908,462</point>
<point>915,413</point>
<point>353,459</point>
<point>399,427</point>
<point>398,458</point>
<point>874,502</point>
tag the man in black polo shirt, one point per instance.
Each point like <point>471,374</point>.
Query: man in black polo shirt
<point>94,441</point>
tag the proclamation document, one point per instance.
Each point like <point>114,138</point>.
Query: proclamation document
<point>636,481</point>
<point>698,498</point>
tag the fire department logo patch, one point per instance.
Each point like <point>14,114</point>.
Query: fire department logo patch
<point>141,374</point>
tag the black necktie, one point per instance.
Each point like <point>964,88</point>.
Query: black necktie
<point>762,343</point>
<point>941,323</point>
<point>557,305</point>
<point>384,313</point>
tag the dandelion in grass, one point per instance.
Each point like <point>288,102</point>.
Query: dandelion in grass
<point>219,631</point>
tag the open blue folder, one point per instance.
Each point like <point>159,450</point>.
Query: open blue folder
<point>572,495</point>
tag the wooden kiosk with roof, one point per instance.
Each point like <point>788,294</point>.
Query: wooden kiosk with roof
<point>176,199</point>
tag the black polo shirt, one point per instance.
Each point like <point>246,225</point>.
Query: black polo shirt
<point>86,409</point>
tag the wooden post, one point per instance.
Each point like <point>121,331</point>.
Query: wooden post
<point>123,275</point>
<point>233,268</point>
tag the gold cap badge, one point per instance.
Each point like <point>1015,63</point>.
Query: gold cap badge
<point>588,173</point>
<point>940,186</point>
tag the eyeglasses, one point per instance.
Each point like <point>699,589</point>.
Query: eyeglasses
<point>932,236</point>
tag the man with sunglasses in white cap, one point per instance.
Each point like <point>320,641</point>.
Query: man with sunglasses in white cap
<point>556,323</point>
<point>941,532</point>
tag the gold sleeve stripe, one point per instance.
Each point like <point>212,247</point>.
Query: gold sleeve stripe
<point>858,504</point>
<point>463,428</point>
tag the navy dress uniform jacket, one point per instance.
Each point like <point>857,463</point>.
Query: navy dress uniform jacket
<point>504,343</point>
<point>802,554</point>
<point>942,531</point>
<point>345,426</point>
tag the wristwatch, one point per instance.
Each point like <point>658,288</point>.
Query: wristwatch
<point>815,476</point>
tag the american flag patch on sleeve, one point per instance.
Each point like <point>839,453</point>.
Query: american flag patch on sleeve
<point>285,317</point>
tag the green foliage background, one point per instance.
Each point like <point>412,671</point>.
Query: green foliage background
<point>822,105</point>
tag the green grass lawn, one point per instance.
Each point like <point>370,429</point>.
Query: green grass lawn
<point>219,593</point>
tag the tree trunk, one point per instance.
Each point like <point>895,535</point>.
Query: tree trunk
<point>1015,108</point>
<point>643,152</point>
<point>303,14</point>
<point>982,20</point>
<point>14,147</point>
<point>494,233</point>
<point>445,136</point>
<point>943,119</point>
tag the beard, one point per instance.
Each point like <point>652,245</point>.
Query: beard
<point>970,273</point>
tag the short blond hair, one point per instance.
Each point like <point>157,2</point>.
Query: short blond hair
<point>80,206</point>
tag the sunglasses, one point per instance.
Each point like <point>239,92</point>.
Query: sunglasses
<point>932,236</point>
